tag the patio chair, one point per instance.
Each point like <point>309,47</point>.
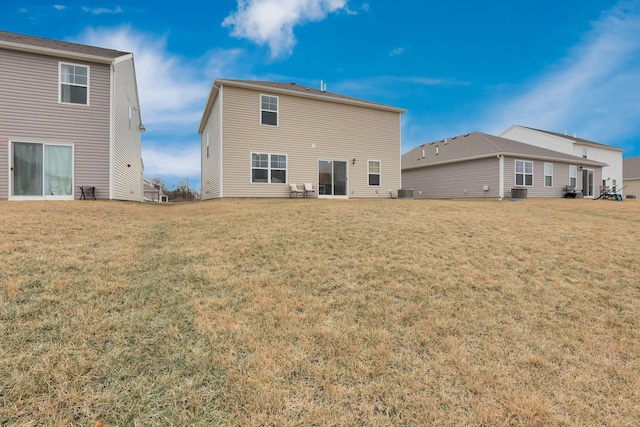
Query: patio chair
<point>309,191</point>
<point>295,191</point>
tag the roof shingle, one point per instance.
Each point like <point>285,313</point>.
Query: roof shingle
<point>477,145</point>
<point>42,43</point>
<point>302,89</point>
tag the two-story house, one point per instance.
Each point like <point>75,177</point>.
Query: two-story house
<point>69,118</point>
<point>256,137</point>
<point>590,185</point>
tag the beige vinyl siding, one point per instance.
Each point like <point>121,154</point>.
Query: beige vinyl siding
<point>454,180</point>
<point>211,170</point>
<point>127,165</point>
<point>4,168</point>
<point>30,111</point>
<point>338,131</point>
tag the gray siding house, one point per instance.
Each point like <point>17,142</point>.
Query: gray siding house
<point>257,137</point>
<point>632,176</point>
<point>481,165</point>
<point>611,156</point>
<point>69,117</point>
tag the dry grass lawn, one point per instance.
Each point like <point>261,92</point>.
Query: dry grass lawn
<point>313,312</point>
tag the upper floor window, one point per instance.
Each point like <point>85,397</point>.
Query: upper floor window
<point>524,173</point>
<point>269,110</point>
<point>374,172</point>
<point>74,84</point>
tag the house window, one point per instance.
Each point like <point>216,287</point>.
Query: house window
<point>584,152</point>
<point>74,84</point>
<point>573,176</point>
<point>548,174</point>
<point>374,172</point>
<point>524,173</point>
<point>269,110</point>
<point>268,168</point>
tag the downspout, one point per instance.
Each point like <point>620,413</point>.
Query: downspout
<point>221,135</point>
<point>111,107</point>
<point>501,178</point>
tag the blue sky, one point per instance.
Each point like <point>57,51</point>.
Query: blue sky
<point>457,67</point>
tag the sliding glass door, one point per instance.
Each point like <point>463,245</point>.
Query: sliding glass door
<point>332,178</point>
<point>42,170</point>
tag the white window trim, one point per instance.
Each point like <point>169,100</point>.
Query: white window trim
<point>379,174</point>
<point>88,85</point>
<point>277,111</point>
<point>268,168</point>
<point>524,173</point>
<point>545,175</point>
<point>43,143</point>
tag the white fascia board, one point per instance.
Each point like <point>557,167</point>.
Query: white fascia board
<point>213,94</point>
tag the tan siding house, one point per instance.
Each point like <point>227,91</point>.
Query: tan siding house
<point>479,165</point>
<point>261,136</point>
<point>64,121</point>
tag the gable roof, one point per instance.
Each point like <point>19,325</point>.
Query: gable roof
<point>478,145</point>
<point>631,168</point>
<point>44,46</point>
<point>289,88</point>
<point>573,139</point>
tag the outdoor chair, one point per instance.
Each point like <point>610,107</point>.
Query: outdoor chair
<point>295,191</point>
<point>308,190</point>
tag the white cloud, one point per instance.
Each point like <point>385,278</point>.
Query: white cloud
<point>397,51</point>
<point>59,7</point>
<point>102,10</point>
<point>172,90</point>
<point>177,161</point>
<point>593,91</point>
<point>272,21</point>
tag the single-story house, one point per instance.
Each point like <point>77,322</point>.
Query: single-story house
<point>257,137</point>
<point>612,156</point>
<point>481,165</point>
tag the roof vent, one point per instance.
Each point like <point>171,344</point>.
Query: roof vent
<point>437,150</point>
<point>445,141</point>
<point>466,135</point>
<point>423,154</point>
<point>454,138</point>
<point>323,86</point>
